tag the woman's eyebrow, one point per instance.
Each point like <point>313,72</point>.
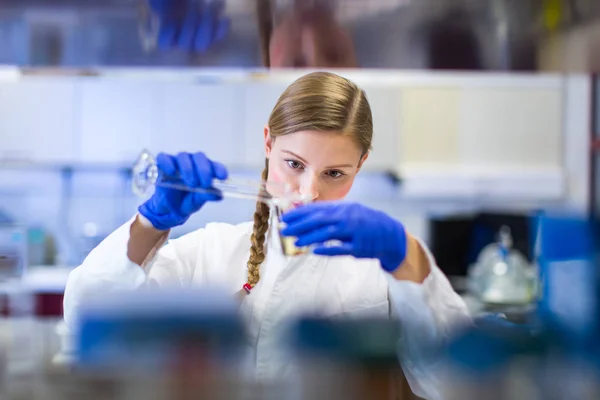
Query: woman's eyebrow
<point>295,155</point>
<point>306,162</point>
<point>340,166</point>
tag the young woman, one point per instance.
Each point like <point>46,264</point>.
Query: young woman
<point>317,139</point>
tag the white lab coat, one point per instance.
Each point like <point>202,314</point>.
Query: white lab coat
<point>332,286</point>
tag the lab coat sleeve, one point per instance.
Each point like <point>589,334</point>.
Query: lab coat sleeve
<point>107,269</point>
<point>428,313</point>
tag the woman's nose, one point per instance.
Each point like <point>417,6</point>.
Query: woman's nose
<point>309,187</point>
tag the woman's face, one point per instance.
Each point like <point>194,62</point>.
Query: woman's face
<point>317,165</point>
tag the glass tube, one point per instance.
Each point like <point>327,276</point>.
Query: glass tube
<point>279,197</point>
<point>146,175</point>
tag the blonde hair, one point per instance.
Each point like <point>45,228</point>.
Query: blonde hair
<point>319,101</point>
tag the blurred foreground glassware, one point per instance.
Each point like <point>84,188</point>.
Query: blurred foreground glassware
<point>279,197</point>
<point>523,376</point>
<point>347,358</point>
<point>167,344</point>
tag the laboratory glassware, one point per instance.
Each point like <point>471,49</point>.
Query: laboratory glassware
<point>502,274</point>
<point>278,196</point>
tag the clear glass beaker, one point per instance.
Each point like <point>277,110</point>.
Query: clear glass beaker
<point>288,243</point>
<point>279,197</point>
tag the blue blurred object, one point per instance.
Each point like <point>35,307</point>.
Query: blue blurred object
<point>190,25</point>
<point>567,321</point>
<point>149,329</point>
<point>492,342</point>
<point>369,341</point>
<point>568,305</point>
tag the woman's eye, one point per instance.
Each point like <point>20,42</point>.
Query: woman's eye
<point>336,174</point>
<point>294,164</point>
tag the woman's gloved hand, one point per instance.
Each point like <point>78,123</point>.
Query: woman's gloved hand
<point>190,25</point>
<point>169,207</point>
<point>363,232</point>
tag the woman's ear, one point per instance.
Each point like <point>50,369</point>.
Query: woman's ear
<point>268,142</point>
<point>362,160</point>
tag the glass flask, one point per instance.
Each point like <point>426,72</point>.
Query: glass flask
<point>278,196</point>
<point>502,274</point>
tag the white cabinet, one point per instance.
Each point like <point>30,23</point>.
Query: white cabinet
<point>385,108</point>
<point>429,127</point>
<point>459,136</point>
<point>36,121</point>
<point>201,117</point>
<point>259,100</point>
<point>117,119</point>
<point>478,137</point>
<point>514,125</point>
<point>472,123</point>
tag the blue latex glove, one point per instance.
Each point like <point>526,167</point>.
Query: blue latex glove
<point>363,232</point>
<point>168,207</point>
<point>190,25</point>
